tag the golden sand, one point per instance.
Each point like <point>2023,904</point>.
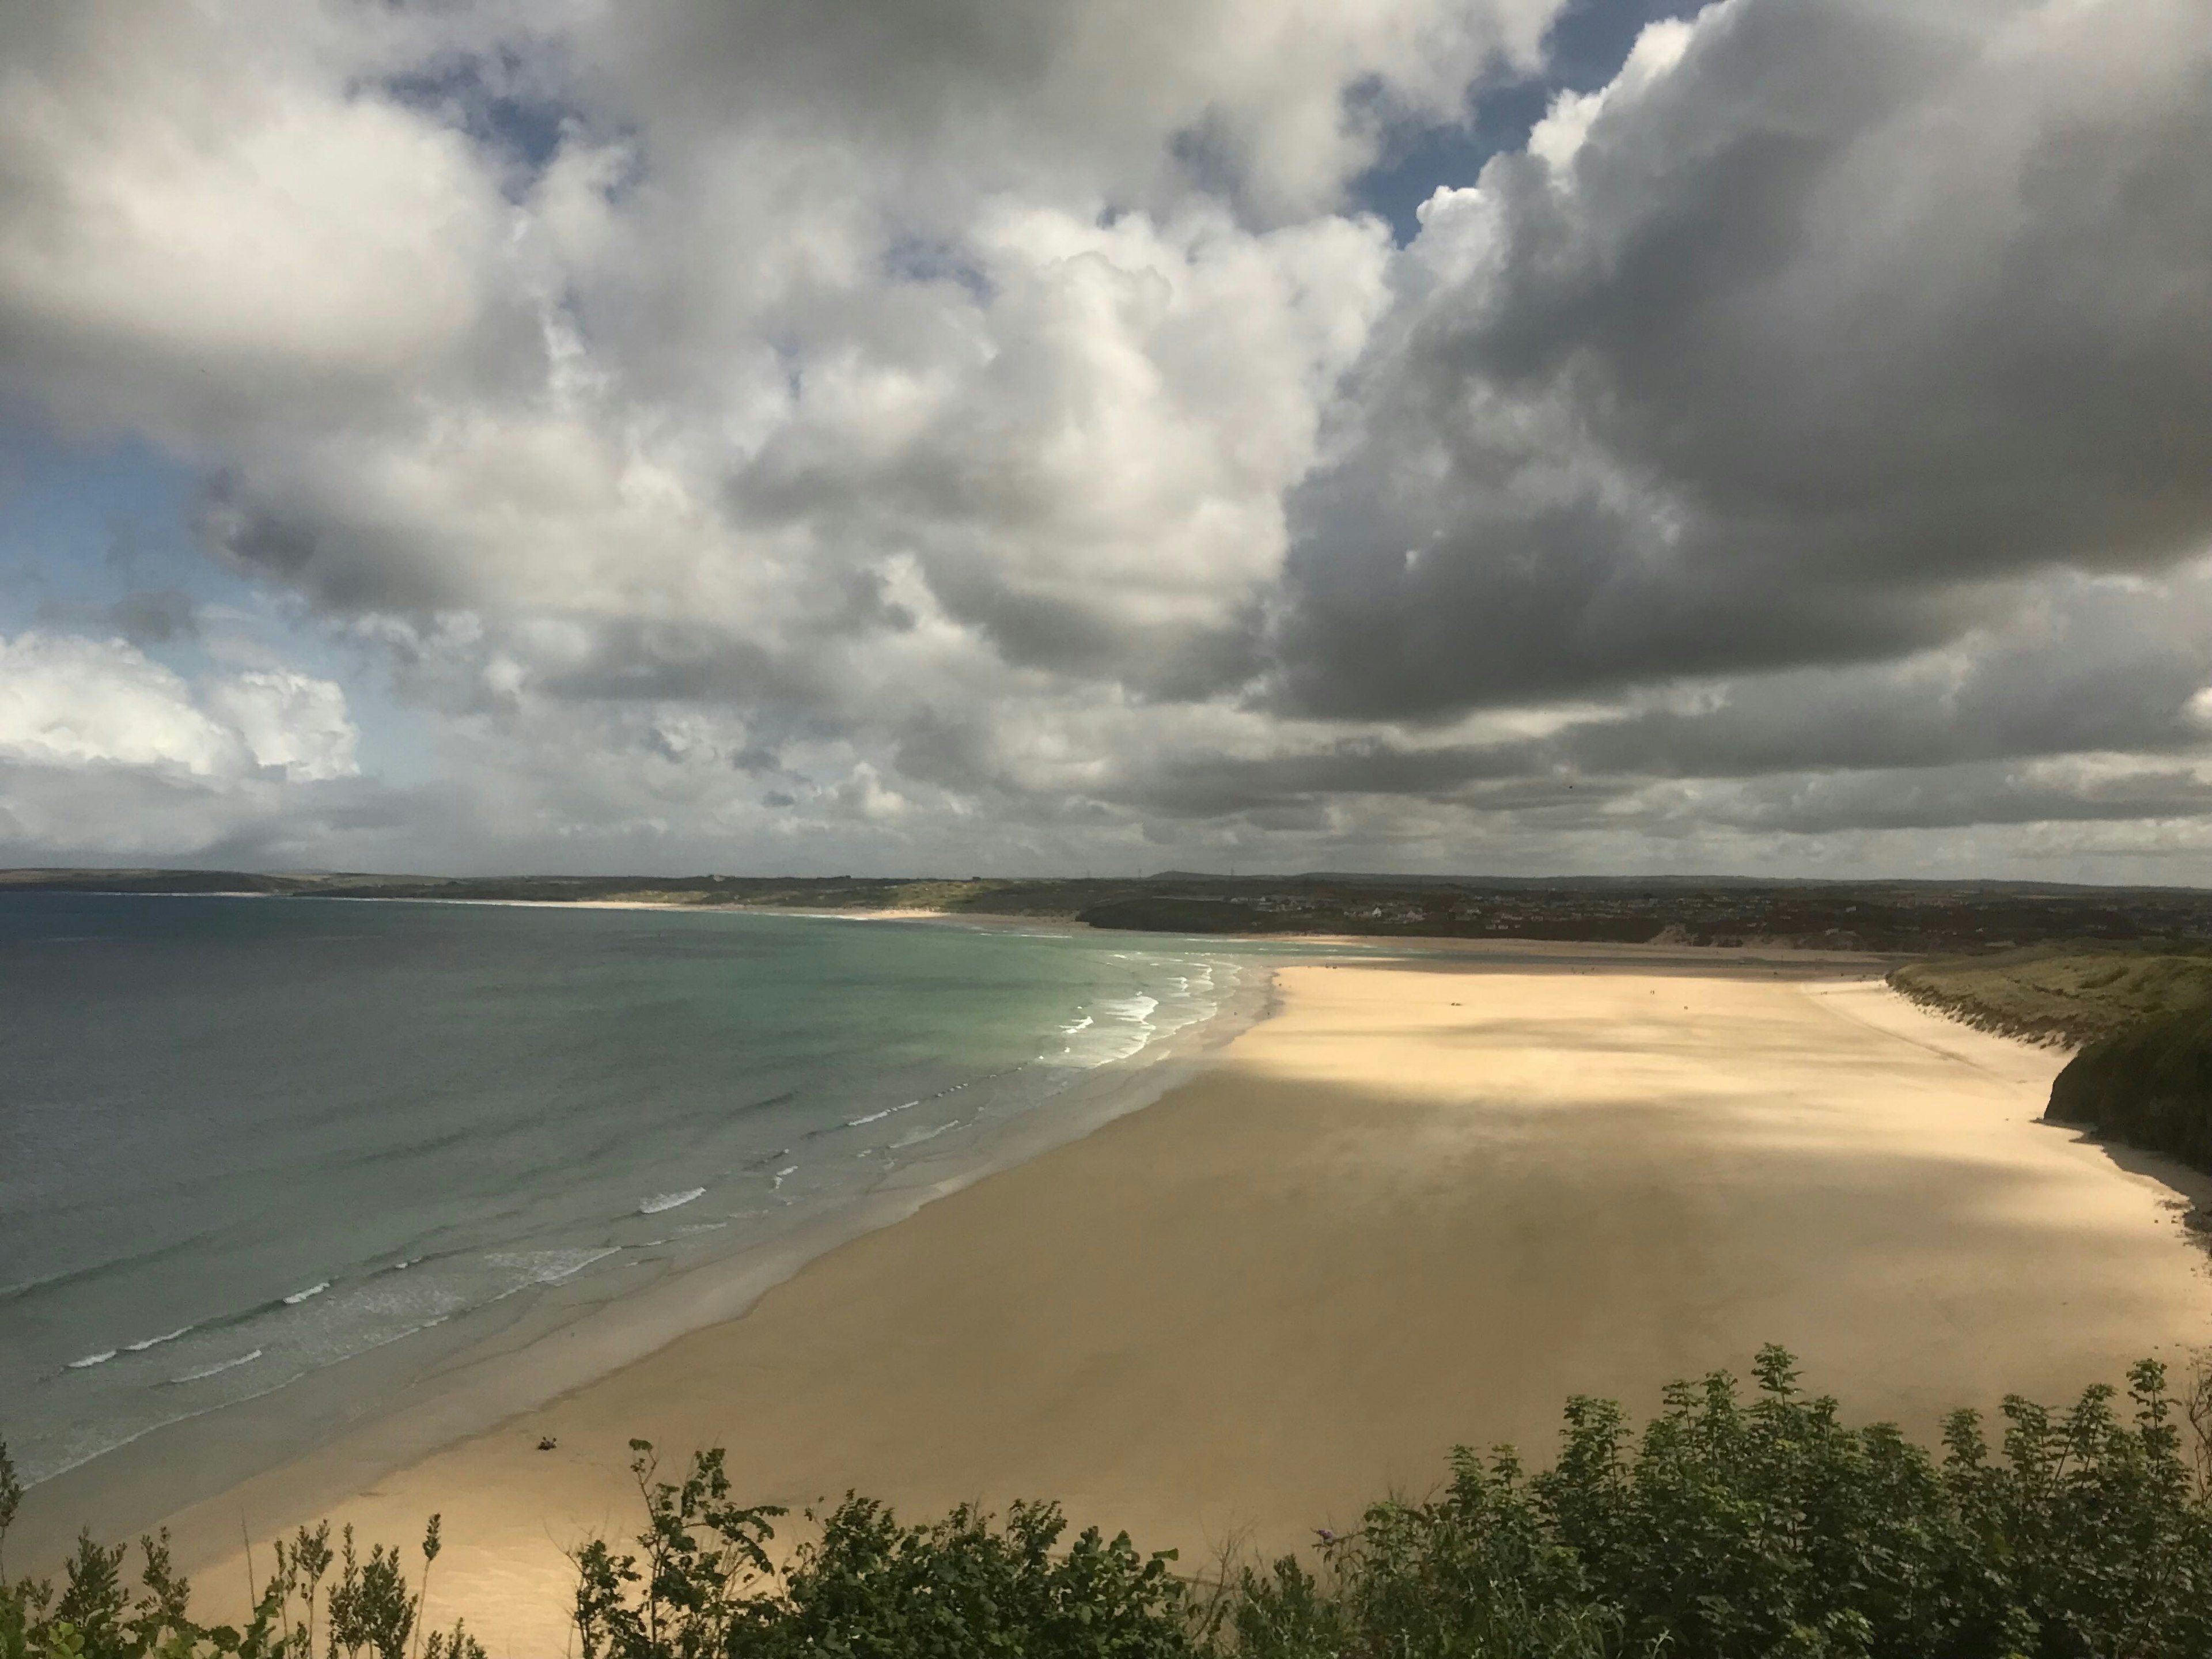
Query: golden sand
<point>1420,1205</point>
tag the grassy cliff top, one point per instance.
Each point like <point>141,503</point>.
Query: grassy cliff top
<point>2061,994</point>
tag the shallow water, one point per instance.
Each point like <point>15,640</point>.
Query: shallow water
<point>242,1141</point>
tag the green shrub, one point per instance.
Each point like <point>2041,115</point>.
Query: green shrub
<point>1729,1529</point>
<point>1770,1530</point>
<point>867,1587</point>
<point>369,1610</point>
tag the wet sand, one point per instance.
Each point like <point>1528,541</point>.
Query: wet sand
<point>1418,1206</point>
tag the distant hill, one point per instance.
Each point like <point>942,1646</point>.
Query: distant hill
<point>1901,918</point>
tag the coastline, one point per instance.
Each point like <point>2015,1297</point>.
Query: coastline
<point>1761,952</point>
<point>486,1367</point>
<point>1421,1205</point>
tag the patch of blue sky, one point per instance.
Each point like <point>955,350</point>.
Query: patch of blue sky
<point>84,527</point>
<point>926,259</point>
<point>97,539</point>
<point>508,103</point>
<point>1584,49</point>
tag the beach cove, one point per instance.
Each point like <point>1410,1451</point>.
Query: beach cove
<point>1418,1206</point>
<point>279,1172</point>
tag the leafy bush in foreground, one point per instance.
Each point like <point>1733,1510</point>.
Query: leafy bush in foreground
<point>1728,1530</point>
<point>868,1587</point>
<point>1772,1529</point>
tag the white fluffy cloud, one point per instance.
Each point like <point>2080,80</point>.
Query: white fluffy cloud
<point>67,701</point>
<point>968,432</point>
<point>288,721</point>
<point>103,751</point>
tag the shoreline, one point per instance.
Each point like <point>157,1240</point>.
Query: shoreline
<point>491,1367</point>
<point>478,1356</point>
<point>1655,950</point>
<point>1420,1205</point>
<point>572,1335</point>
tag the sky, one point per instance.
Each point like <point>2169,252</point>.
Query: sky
<point>974,437</point>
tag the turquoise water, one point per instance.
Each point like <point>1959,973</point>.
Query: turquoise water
<point>244,1141</point>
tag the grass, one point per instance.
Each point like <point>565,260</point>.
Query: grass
<point>2066,994</point>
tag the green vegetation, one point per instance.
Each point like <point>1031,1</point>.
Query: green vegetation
<point>2067,993</point>
<point>2149,1085</point>
<point>1728,1530</point>
<point>2144,1074</point>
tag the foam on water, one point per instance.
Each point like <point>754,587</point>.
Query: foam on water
<point>218,1370</point>
<point>549,1267</point>
<point>1112,1029</point>
<point>877,1117</point>
<point>516,1169</point>
<point>921,1135</point>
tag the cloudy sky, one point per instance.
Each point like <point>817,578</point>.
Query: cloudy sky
<point>981,436</point>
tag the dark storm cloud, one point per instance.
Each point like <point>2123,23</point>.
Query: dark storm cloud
<point>1207,785</point>
<point>2097,666</point>
<point>1957,798</point>
<point>1860,312</point>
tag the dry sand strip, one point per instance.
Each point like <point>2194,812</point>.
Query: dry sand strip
<point>1417,1207</point>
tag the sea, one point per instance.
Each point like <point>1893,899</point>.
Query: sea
<point>248,1141</point>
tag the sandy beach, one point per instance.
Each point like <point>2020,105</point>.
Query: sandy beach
<point>1418,1206</point>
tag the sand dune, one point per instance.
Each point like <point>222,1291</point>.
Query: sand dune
<point>1418,1206</point>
